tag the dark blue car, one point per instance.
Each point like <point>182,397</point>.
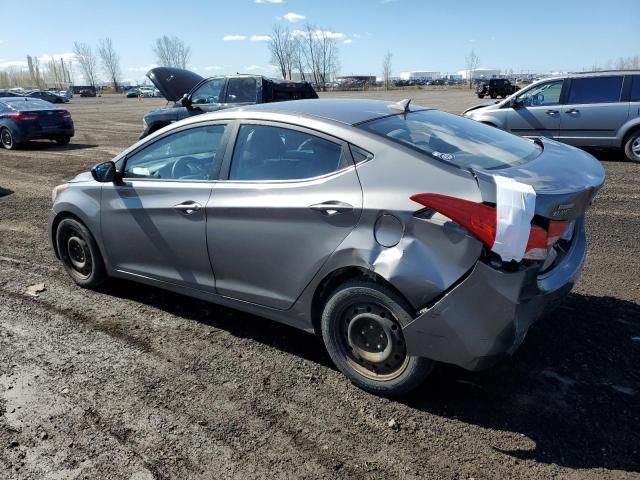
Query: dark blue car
<point>23,119</point>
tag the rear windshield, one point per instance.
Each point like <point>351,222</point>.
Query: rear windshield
<point>460,141</point>
<point>27,104</point>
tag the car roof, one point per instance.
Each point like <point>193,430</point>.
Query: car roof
<point>348,111</point>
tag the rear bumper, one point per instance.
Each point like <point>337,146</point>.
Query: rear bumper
<point>488,314</point>
<point>36,134</point>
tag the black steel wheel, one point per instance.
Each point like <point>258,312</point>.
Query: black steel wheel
<point>362,330</point>
<point>79,253</point>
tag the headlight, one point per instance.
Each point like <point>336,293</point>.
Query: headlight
<point>58,190</point>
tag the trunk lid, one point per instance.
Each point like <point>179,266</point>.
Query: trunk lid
<point>173,83</point>
<point>564,178</point>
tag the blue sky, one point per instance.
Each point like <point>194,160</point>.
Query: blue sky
<point>537,35</point>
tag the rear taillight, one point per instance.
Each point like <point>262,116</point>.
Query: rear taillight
<point>23,116</point>
<point>481,221</point>
<point>65,114</point>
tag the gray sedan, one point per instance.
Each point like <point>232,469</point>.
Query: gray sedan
<point>402,235</point>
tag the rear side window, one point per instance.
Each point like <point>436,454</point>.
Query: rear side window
<point>635,89</point>
<point>595,90</point>
<point>273,153</point>
<point>460,141</point>
<point>241,90</point>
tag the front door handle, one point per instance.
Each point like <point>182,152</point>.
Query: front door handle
<point>187,208</point>
<point>573,111</point>
<point>552,112</point>
<point>332,207</point>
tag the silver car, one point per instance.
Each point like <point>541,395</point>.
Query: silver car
<point>373,224</point>
<point>598,109</point>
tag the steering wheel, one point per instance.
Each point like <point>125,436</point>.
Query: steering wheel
<point>181,167</point>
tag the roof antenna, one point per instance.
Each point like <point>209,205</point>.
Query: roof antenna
<point>402,105</point>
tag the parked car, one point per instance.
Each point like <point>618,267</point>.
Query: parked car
<point>194,95</point>
<point>372,224</point>
<point>27,118</point>
<point>598,109</point>
<point>146,92</point>
<point>68,94</point>
<point>9,93</point>
<point>87,92</point>
<point>47,96</point>
<point>495,87</point>
<point>132,93</point>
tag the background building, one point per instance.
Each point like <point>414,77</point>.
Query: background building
<point>420,75</point>
<point>479,73</point>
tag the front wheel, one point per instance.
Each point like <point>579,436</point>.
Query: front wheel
<point>362,330</point>
<point>80,254</point>
<point>632,147</point>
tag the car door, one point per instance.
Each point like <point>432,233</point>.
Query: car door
<point>207,97</point>
<point>594,111</point>
<point>153,221</point>
<point>536,111</point>
<point>290,198</point>
<point>634,96</point>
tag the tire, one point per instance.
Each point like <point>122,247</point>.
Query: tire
<point>361,312</point>
<point>632,147</point>
<point>63,140</point>
<point>79,254</point>
<point>480,95</point>
<point>7,140</point>
<point>494,96</point>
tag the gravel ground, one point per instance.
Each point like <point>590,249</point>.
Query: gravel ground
<point>133,382</point>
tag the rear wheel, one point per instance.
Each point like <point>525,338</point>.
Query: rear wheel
<point>632,147</point>
<point>362,331</point>
<point>80,254</point>
<point>494,95</point>
<point>63,140</point>
<point>6,138</point>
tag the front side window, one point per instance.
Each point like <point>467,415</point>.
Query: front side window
<point>185,155</point>
<point>457,140</point>
<point>635,88</point>
<point>595,90</point>
<point>545,94</point>
<point>241,90</point>
<point>273,153</point>
<point>208,92</point>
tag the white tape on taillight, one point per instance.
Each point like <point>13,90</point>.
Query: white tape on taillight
<point>515,208</point>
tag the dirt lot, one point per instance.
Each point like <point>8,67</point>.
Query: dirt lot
<point>133,382</point>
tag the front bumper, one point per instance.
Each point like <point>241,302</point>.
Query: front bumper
<point>488,314</point>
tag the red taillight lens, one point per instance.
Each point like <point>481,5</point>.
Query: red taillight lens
<point>23,116</point>
<point>66,114</point>
<point>481,221</point>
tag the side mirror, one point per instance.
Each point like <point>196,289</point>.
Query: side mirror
<point>515,103</point>
<point>185,101</point>
<point>104,172</point>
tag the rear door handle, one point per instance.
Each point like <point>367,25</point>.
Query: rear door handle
<point>187,208</point>
<point>553,112</point>
<point>332,207</point>
<point>573,111</point>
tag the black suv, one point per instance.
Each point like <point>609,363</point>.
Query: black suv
<point>194,95</point>
<point>496,87</point>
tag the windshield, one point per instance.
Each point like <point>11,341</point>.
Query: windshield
<point>460,141</point>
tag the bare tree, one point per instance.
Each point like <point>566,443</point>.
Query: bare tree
<point>471,60</point>
<point>87,60</point>
<point>110,60</point>
<point>321,53</point>
<point>282,46</point>
<point>386,70</point>
<point>298,58</point>
<point>172,52</point>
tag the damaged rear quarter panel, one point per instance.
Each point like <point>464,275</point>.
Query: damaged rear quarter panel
<point>430,256</point>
